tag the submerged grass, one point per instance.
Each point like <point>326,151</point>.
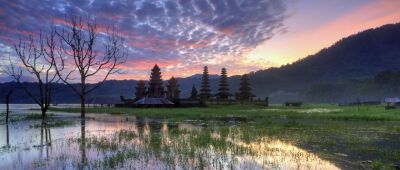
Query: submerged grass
<point>351,137</point>
<point>35,116</point>
<point>24,117</point>
<point>215,147</point>
<point>52,123</point>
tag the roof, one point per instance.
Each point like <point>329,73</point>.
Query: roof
<point>223,94</point>
<point>151,100</point>
<point>392,100</point>
<point>252,95</point>
<point>103,100</point>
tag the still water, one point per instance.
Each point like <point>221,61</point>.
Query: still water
<point>126,142</point>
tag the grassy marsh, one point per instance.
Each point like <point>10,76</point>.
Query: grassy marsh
<point>331,112</point>
<point>236,136</point>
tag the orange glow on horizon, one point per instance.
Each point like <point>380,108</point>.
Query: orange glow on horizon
<point>299,44</point>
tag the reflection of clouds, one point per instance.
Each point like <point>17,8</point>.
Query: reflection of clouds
<point>146,128</point>
<point>280,155</point>
<point>165,139</point>
<point>188,126</point>
<point>264,153</point>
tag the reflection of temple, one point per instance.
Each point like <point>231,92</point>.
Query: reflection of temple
<point>155,94</point>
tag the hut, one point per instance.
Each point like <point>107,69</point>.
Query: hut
<point>392,103</point>
<point>102,101</point>
<point>153,101</point>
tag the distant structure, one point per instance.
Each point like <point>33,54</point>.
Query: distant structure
<point>173,90</point>
<point>155,94</point>
<point>102,101</point>
<point>156,88</point>
<point>205,91</point>
<point>140,90</point>
<point>223,93</point>
<point>193,94</point>
<point>152,102</point>
<point>392,102</point>
<point>245,90</point>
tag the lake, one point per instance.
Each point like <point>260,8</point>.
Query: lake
<point>105,141</point>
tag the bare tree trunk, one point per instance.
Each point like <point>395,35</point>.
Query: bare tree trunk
<point>83,107</point>
<point>8,136</point>
<point>7,104</point>
<point>8,109</point>
<point>44,110</point>
<point>83,97</point>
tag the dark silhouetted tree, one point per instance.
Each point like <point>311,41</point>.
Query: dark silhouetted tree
<point>245,90</point>
<point>37,59</point>
<point>223,86</point>
<point>156,88</point>
<point>140,90</point>
<point>7,104</point>
<point>173,90</point>
<point>193,94</point>
<point>205,91</point>
<point>80,56</point>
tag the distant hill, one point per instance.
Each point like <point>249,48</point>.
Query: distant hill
<point>358,56</point>
<point>345,64</point>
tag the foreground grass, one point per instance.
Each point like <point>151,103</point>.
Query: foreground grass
<point>348,136</point>
<point>351,137</point>
<point>24,117</point>
<point>349,147</point>
<point>330,112</point>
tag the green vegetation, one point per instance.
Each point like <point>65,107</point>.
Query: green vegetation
<point>254,112</point>
<point>22,117</point>
<point>34,116</point>
<point>346,146</point>
<point>52,123</point>
<point>221,137</point>
<point>348,136</point>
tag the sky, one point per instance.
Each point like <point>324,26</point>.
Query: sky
<point>182,36</point>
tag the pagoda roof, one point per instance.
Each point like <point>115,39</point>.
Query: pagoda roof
<point>252,95</point>
<point>223,94</point>
<point>153,101</point>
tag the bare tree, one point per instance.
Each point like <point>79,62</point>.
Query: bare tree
<point>79,56</point>
<point>37,59</point>
<point>7,104</point>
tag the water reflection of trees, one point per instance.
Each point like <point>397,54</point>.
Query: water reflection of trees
<point>45,140</point>
<point>83,145</point>
<point>7,136</point>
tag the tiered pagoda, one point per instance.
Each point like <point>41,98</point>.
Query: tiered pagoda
<point>155,95</point>
<point>223,93</point>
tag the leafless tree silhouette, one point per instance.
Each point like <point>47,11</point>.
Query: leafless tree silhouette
<point>36,57</point>
<point>7,104</point>
<point>78,55</point>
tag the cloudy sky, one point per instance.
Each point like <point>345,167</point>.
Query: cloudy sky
<point>182,36</point>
